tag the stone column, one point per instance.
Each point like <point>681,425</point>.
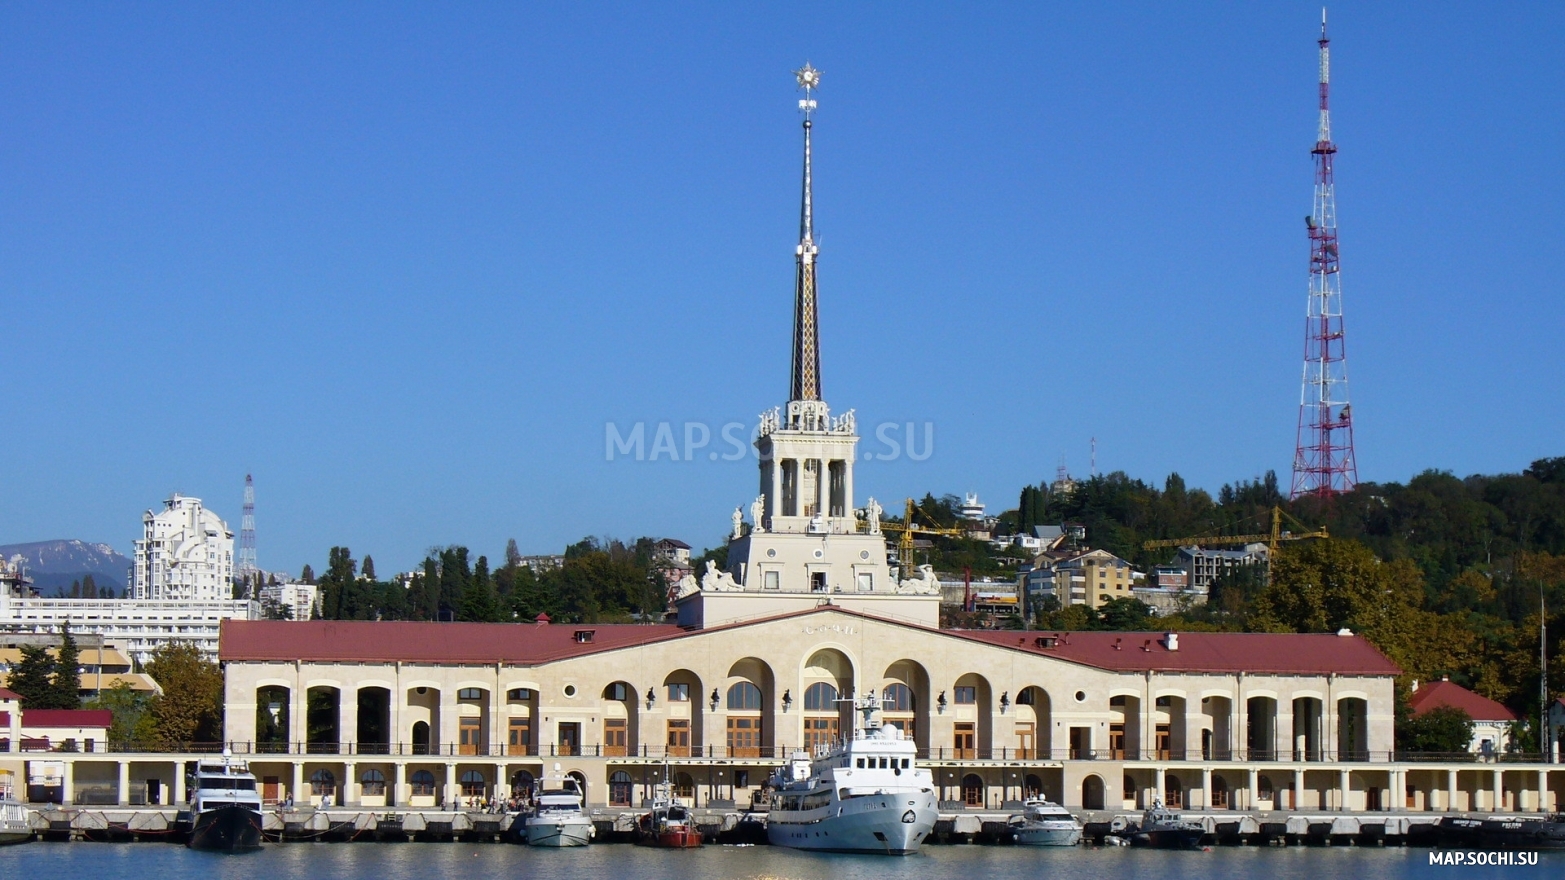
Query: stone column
<point>847,488</point>
<point>399,791</point>
<point>347,719</point>
<point>1298,789</point>
<point>68,784</point>
<point>774,498</point>
<point>452,790</point>
<point>396,734</point>
<point>1206,788</point>
<point>1498,803</point>
<point>1159,781</point>
<point>179,782</point>
<point>1543,791</point>
<point>501,784</point>
<point>823,488</point>
<point>297,728</point>
<point>1255,792</point>
<point>347,794</point>
<point>297,791</point>
<point>1344,789</point>
<point>1450,790</point>
<point>124,791</point>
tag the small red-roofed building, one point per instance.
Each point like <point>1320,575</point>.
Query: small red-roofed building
<point>42,730</point>
<point>1491,720</point>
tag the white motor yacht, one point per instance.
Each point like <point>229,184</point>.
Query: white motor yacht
<point>1045,823</point>
<point>557,818</point>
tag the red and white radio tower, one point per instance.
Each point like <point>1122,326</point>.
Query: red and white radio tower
<point>1324,463</point>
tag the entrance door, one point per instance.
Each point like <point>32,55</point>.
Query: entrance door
<point>744,737</point>
<point>155,791</point>
<point>1165,742</point>
<point>1024,741</point>
<point>679,737</point>
<point>570,738</point>
<point>966,740</point>
<point>270,786</point>
<point>972,790</point>
<point>521,737</point>
<point>614,737</point>
<point>819,732</point>
<point>471,734</point>
<point>1117,742</point>
<point>1081,743</point>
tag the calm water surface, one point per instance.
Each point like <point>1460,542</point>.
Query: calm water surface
<point>421,861</point>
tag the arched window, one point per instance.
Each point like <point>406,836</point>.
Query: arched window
<point>420,738</point>
<point>1032,786</point>
<point>744,696</point>
<point>972,790</point>
<point>619,789</point>
<point>374,783</point>
<point>423,783</point>
<point>473,784</point>
<point>323,781</point>
<point>898,698</point>
<point>684,786</point>
<point>522,784</point>
<point>820,697</point>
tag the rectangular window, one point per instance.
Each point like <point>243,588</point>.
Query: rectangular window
<point>471,731</point>
<point>469,694</point>
<point>966,740</point>
<point>1024,740</point>
<point>866,581</point>
<point>678,738</point>
<point>966,696</point>
<point>773,580</point>
<point>520,741</point>
<point>570,738</point>
<point>819,732</point>
<point>615,737</point>
<point>744,737</point>
<point>679,693</point>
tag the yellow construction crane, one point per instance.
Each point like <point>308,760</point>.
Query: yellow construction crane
<point>908,528</point>
<point>1276,536</point>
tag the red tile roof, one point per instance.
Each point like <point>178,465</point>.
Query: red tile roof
<point>36,718</point>
<point>6,694</point>
<point>1284,653</point>
<point>526,643</point>
<point>1432,694</point>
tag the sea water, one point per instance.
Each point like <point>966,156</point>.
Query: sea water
<point>492,861</point>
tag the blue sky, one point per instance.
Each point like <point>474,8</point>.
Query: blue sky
<point>405,262</point>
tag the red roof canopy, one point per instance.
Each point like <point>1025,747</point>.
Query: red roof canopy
<point>1432,694</point>
<point>67,718</point>
<point>524,643</point>
<point>6,694</point>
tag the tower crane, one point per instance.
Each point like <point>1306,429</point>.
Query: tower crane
<point>908,528</point>
<point>1276,536</point>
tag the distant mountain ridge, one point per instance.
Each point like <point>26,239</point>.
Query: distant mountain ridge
<point>55,564</point>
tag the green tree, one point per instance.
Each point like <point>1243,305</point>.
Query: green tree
<point>478,598</point>
<point>1125,614</point>
<point>190,708</point>
<point>368,568</point>
<point>1442,729</point>
<point>66,683</point>
<point>32,678</point>
<point>132,725</point>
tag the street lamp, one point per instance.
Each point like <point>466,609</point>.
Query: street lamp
<point>787,700</point>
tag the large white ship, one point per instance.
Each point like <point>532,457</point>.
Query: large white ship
<point>862,794</point>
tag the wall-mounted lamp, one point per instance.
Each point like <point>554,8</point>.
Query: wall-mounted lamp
<point>652,697</point>
<point>787,700</point>
<point>1005,701</point>
<point>715,699</point>
<point>940,703</point>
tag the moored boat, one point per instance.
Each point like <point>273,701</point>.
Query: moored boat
<point>556,817</point>
<point>1162,828</point>
<point>225,808</point>
<point>669,823</point>
<point>1044,823</point>
<point>863,794</point>
<point>14,824</point>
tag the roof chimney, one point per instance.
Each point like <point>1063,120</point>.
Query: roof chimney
<point>542,619</point>
<point>1173,641</point>
<point>1414,688</point>
<point>1345,632</point>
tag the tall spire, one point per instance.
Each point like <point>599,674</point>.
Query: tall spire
<point>806,383</point>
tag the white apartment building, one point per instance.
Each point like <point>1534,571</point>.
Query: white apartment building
<point>296,600</point>
<point>186,553</point>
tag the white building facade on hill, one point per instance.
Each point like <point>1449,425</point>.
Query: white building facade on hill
<point>186,552</point>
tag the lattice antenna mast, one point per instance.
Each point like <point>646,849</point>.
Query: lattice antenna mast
<point>806,378</point>
<point>1323,460</point>
<point>246,569</point>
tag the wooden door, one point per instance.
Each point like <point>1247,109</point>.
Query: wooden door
<point>1165,742</point>
<point>570,738</point>
<point>615,737</point>
<point>966,740</point>
<point>270,789</point>
<point>1024,741</point>
<point>520,739</point>
<point>744,737</point>
<point>471,736</point>
<point>1117,742</point>
<point>679,738</point>
<point>819,732</point>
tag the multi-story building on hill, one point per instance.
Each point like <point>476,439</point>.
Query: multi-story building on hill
<point>186,552</point>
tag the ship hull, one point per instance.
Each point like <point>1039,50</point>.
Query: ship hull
<point>226,829</point>
<point>1039,836</point>
<point>1168,838</point>
<point>549,833</point>
<point>892,824</point>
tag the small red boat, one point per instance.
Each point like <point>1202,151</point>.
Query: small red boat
<point>669,824</point>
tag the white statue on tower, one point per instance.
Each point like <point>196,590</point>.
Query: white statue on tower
<point>757,510</point>
<point>738,519</point>
<point>872,512</point>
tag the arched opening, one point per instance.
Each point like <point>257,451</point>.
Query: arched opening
<point>1168,732</point>
<point>1217,729</point>
<point>1173,791</point>
<point>1263,789</point>
<point>473,784</point>
<point>1219,793</point>
<point>906,690</point>
<point>828,675</point>
<point>422,707</point>
<point>684,787</point>
<point>685,706</point>
<point>272,708</point>
<point>1260,737</point>
<point>521,726</point>
<point>374,721</point>
<point>322,716</point>
<point>1033,725</point>
<point>421,738</point>
<point>1032,786</point>
<point>821,720</point>
<point>620,734</point>
<point>1092,793</point>
<point>472,707</point>
<point>372,783</point>
<point>1130,791</point>
<point>422,784</point>
<point>619,789</point>
<point>973,790</point>
<point>1124,727</point>
<point>522,783</point>
<point>748,705</point>
<point>1352,729</point>
<point>973,733</point>
<point>581,783</point>
<point>1308,729</point>
<point>323,783</point>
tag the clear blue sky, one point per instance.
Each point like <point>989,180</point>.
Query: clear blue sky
<point>404,262</point>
